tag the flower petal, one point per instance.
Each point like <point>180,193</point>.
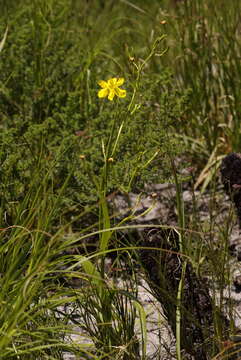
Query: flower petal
<point>103,93</point>
<point>120,81</point>
<point>111,94</point>
<point>121,93</point>
<point>103,84</point>
<point>112,82</point>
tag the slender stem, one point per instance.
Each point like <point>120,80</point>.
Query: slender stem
<point>179,312</point>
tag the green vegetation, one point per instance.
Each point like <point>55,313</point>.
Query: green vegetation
<point>65,153</point>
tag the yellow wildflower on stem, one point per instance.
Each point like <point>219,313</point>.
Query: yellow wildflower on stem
<point>111,88</point>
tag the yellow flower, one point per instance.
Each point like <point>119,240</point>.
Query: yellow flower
<point>110,88</point>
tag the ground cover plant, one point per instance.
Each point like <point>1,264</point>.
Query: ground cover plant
<point>99,99</point>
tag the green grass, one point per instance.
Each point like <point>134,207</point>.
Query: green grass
<point>65,154</point>
<point>205,52</point>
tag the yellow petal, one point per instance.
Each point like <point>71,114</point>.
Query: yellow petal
<point>103,93</point>
<point>111,95</point>
<point>112,82</point>
<point>121,93</point>
<point>120,81</point>
<point>103,84</point>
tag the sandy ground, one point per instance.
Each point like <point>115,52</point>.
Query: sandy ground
<point>160,200</point>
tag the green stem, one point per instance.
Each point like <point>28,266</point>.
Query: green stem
<point>179,312</point>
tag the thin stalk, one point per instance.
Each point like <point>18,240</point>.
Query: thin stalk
<point>179,312</point>
<point>181,223</point>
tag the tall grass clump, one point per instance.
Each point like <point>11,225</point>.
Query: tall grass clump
<point>205,51</point>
